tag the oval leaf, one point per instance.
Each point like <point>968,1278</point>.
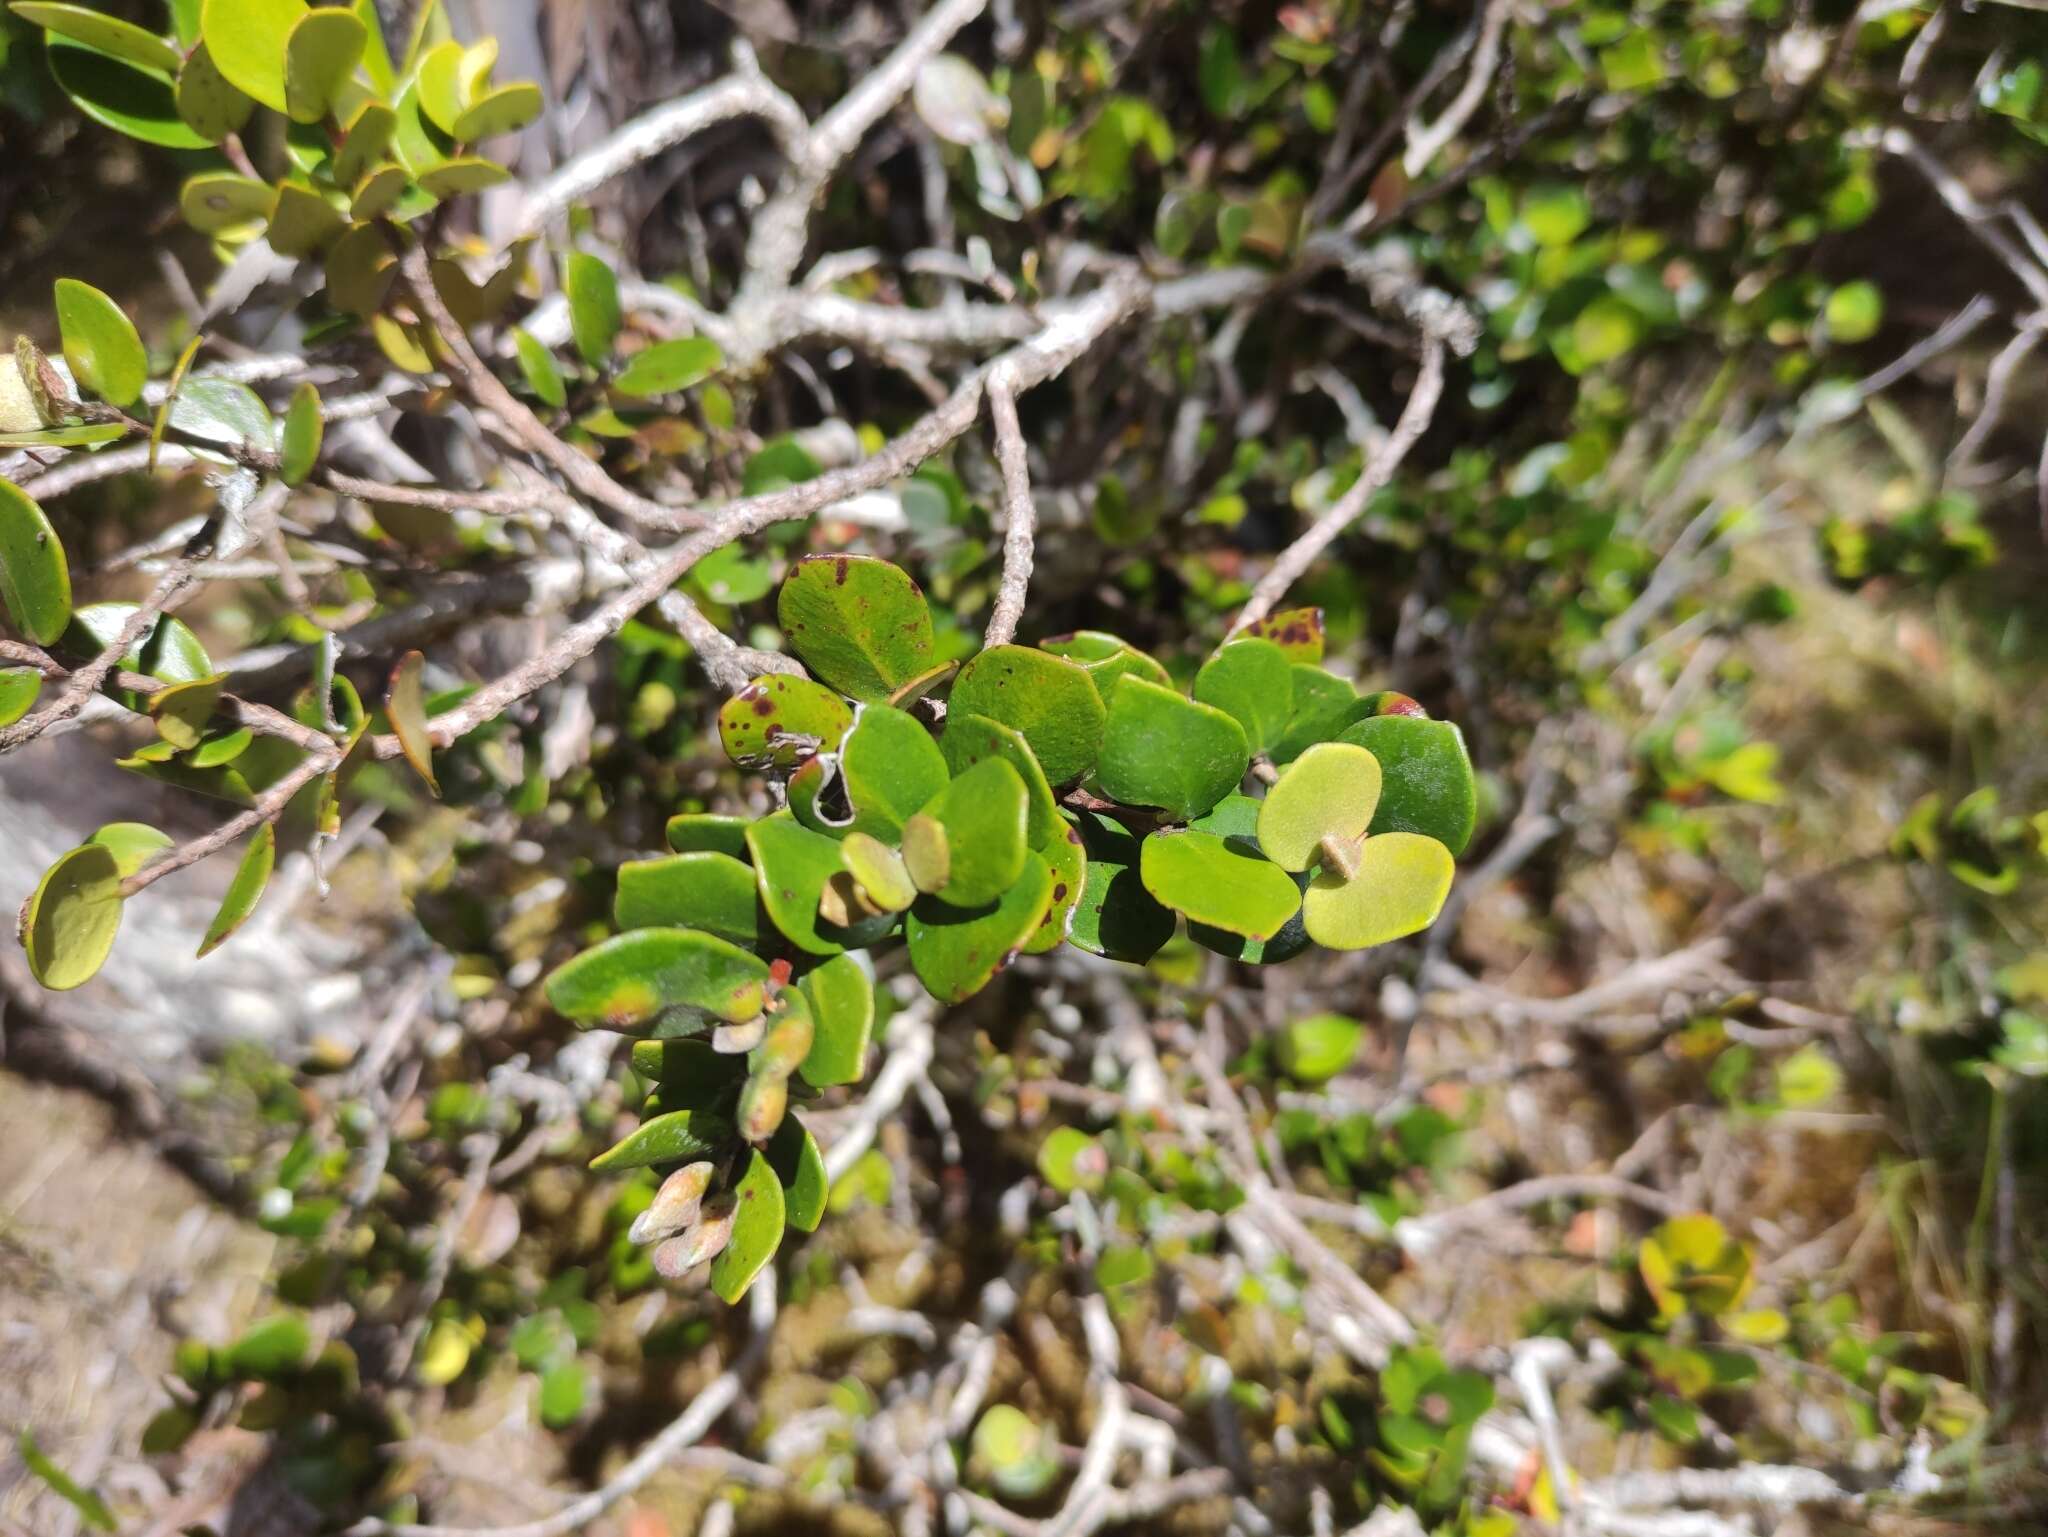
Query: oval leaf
<point>299,444</point>
<point>859,623</point>
<point>319,57</point>
<point>594,315</point>
<point>97,30</point>
<point>1159,749</point>
<point>1218,882</point>
<point>985,816</point>
<point>636,977</point>
<point>800,1169</point>
<point>505,110</point>
<point>35,579</point>
<point>140,103</point>
<point>1116,917</point>
<point>69,924</point>
<point>1330,791</point>
<point>956,951</point>
<point>713,892</point>
<point>757,1226</point>
<point>245,890</point>
<point>1252,682</point>
<point>843,1014</point>
<point>405,704</point>
<point>669,366</point>
<point>1399,889</point>
<point>891,768</point>
<point>1045,698</point>
<point>777,721</point>
<point>1427,786</point>
<point>248,40</point>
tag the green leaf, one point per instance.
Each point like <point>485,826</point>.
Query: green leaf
<point>668,1138</point>
<point>1105,658</point>
<point>378,192</point>
<point>133,844</point>
<point>955,951</point>
<point>69,924</point>
<point>974,739</point>
<point>1328,793</point>
<point>360,270</point>
<point>879,870</point>
<point>1047,699</point>
<point>594,315</point>
<point>891,769</point>
<point>439,79</point>
<point>1604,330</point>
<point>843,1016</point>
<point>714,892</point>
<point>248,40</point>
<point>648,973</point>
<point>182,710</point>
<point>224,411</point>
<point>757,1228</point>
<point>1691,1263</point>
<point>791,866</point>
<point>777,721</point>
<point>506,110</point>
<point>1399,889</point>
<point>320,56</point>
<point>268,1348</point>
<point>1071,1160</point>
<point>1252,682</point>
<point>88,1504</point>
<point>245,890</point>
<point>793,1153</point>
<point>140,103</point>
<point>168,649</point>
<point>981,818</point>
<point>691,1075</point>
<point>214,201</point>
<point>1324,705</point>
<point>1218,882</point>
<point>418,144</point>
<point>562,1391</point>
<point>1123,1265</point>
<point>35,579</point>
<point>706,832</point>
<point>100,343</point>
<point>369,135</point>
<point>859,623</point>
<point>208,101</point>
<point>1068,861</point>
<point>1318,1047</point>
<point>1159,749</point>
<point>543,375</point>
<point>1116,917</point>
<point>1426,783</point>
<point>669,366</point>
<point>462,176</point>
<point>1854,312</point>
<point>18,689</point>
<point>106,34</point>
<point>303,222</point>
<point>405,706</point>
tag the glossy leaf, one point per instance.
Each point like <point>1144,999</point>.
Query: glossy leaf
<point>638,976</point>
<point>667,1138</point>
<point>224,411</point>
<point>843,1018</point>
<point>405,706</point>
<point>880,870</point>
<point>69,923</point>
<point>669,366</point>
<point>955,951</point>
<point>1217,882</point>
<point>214,201</point>
<point>1252,682</point>
<point>140,103</point>
<point>107,34</point>
<point>1399,889</point>
<point>299,442</point>
<point>35,578</point>
<point>777,721</point>
<point>439,81</point>
<point>252,875</point>
<point>800,1167</point>
<point>168,649</point>
<point>791,866</point>
<point>594,314</point>
<point>1427,784</point>
<point>891,769</point>
<point>985,815</point>
<point>1068,861</point>
<point>757,1227</point>
<point>1159,749</point>
<point>1116,917</point>
<point>1045,698</point>
<point>506,110</point>
<point>320,56</point>
<point>973,739</point>
<point>100,343</point>
<point>133,844</point>
<point>1298,632</point>
<point>713,892</point>
<point>182,710</point>
<point>542,374</point>
<point>1323,706</point>
<point>1105,658</point>
<point>859,623</point>
<point>1329,792</point>
<point>18,689</point>
<point>248,40</point>
<point>704,831</point>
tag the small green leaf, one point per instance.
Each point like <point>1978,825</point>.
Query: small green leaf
<point>182,710</point>
<point>1426,777</point>
<point>1116,917</point>
<point>1105,658</point>
<point>1071,1160</point>
<point>562,1390</point>
<point>777,721</point>
<point>100,343</point>
<point>360,270</point>
<point>543,375</point>
<point>1324,705</point>
<point>891,768</point>
<point>215,201</point>
<point>1328,793</point>
<point>35,579</point>
<point>1252,682</point>
<point>369,135</point>
<point>1068,861</point>
<point>69,924</point>
<point>703,831</point>
<point>439,79</point>
<point>880,870</point>
<point>667,367</point>
<point>973,739</point>
<point>168,649</point>
<point>1219,883</point>
<point>1318,1047</point>
<point>714,892</point>
<point>85,1501</point>
<point>1046,698</point>
<point>758,1223</point>
<point>106,34</point>
<point>1159,749</point>
<point>506,110</point>
<point>18,689</point>
<point>405,706</point>
<point>299,445</point>
<point>320,55</point>
<point>956,951</point>
<point>791,866</point>
<point>984,815</point>
<point>378,192</point>
<point>793,1153</point>
<point>843,1015</point>
<point>594,315</point>
<point>1123,1265</point>
<point>208,102</point>
<point>140,103</point>
<point>248,40</point>
<point>859,623</point>
<point>303,222</point>
<point>245,890</point>
<point>1399,889</point>
<point>647,973</point>
<point>133,844</point>
<point>462,176</point>
<point>268,1348</point>
<point>668,1138</point>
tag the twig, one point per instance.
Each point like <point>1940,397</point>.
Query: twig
<point>1425,140</point>
<point>1020,518</point>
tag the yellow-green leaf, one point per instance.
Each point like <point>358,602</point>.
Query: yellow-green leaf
<point>405,704</point>
<point>505,110</point>
<point>248,39</point>
<point>299,446</point>
<point>107,34</point>
<point>1329,792</point>
<point>35,579</point>
<point>216,201</point>
<point>133,844</point>
<point>182,710</point>
<point>1399,888</point>
<point>245,890</point>
<point>319,57</point>
<point>69,924</point>
<point>100,343</point>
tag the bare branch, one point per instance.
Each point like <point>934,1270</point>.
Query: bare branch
<point>1020,517</point>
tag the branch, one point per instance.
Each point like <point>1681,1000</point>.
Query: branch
<point>1020,517</point>
<point>1424,140</point>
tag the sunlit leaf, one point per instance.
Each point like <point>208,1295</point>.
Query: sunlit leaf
<point>245,890</point>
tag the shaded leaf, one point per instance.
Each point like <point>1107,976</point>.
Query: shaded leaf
<point>956,950</point>
<point>669,366</point>
<point>974,739</point>
<point>1047,699</point>
<point>245,890</point>
<point>1159,749</point>
<point>35,578</point>
<point>800,1167</point>
<point>1116,917</point>
<point>405,706</point>
<point>140,103</point>
<point>133,844</point>
<point>758,1223</point>
<point>1068,861</point>
<point>983,816</point>
<point>594,314</point>
<point>182,710</point>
